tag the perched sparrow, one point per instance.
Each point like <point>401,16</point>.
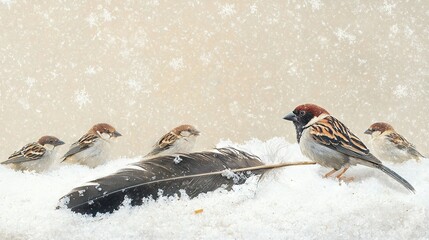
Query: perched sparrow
<point>327,141</point>
<point>389,145</point>
<point>179,140</point>
<point>92,148</point>
<point>37,156</point>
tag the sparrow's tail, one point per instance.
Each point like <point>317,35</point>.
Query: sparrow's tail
<point>395,176</point>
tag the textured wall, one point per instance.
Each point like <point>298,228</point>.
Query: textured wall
<point>231,68</point>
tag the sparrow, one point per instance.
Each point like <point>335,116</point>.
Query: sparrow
<point>37,156</point>
<point>389,145</point>
<point>92,148</point>
<point>328,142</point>
<point>179,140</point>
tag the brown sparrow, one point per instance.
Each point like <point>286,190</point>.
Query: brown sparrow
<point>38,156</point>
<point>92,148</point>
<point>389,145</point>
<point>179,140</point>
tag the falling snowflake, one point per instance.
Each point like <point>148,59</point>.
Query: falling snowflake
<point>205,58</point>
<point>401,91</point>
<point>315,4</point>
<point>253,9</point>
<point>227,10</point>
<point>90,70</point>
<point>30,82</point>
<point>135,85</point>
<point>387,7</point>
<point>342,35</point>
<point>177,160</point>
<point>177,63</point>
<point>81,97</point>
<point>107,16</point>
<point>92,19</point>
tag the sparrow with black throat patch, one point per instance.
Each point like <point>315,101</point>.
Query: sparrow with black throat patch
<point>180,139</point>
<point>328,142</point>
<point>388,145</point>
<point>92,149</point>
<point>37,156</point>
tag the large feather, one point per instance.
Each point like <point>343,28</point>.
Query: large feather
<point>194,173</point>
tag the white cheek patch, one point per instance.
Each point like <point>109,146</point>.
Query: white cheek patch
<point>316,119</point>
<point>104,136</point>
<point>185,134</point>
<point>376,134</point>
<point>49,146</point>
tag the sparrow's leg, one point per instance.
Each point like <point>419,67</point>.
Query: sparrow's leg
<point>330,173</point>
<point>342,172</point>
<point>345,179</point>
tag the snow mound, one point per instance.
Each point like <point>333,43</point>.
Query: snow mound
<point>289,203</point>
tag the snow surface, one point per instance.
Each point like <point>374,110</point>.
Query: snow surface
<point>291,203</point>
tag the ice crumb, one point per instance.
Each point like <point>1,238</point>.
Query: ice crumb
<point>177,160</point>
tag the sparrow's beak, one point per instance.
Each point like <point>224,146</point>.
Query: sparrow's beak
<point>116,134</point>
<point>291,117</point>
<point>369,131</point>
<point>59,142</point>
<point>196,133</point>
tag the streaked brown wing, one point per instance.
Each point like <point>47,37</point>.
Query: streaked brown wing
<point>402,143</point>
<point>164,143</point>
<point>29,152</point>
<point>83,143</point>
<point>399,141</point>
<point>167,140</point>
<point>334,134</point>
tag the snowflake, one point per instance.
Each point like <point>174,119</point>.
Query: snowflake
<point>81,97</point>
<point>227,10</point>
<point>92,20</point>
<point>387,7</point>
<point>400,91</point>
<point>135,85</point>
<point>30,82</point>
<point>315,4</point>
<point>177,63</point>
<point>343,35</point>
<point>177,160</point>
<point>107,16</point>
<point>393,31</point>
<point>253,9</point>
<point>205,58</point>
<point>90,70</point>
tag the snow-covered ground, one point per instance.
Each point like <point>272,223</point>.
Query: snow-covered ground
<point>291,203</point>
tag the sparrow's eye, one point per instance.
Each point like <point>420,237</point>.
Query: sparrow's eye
<point>301,113</point>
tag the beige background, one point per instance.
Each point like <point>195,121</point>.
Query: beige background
<point>231,68</point>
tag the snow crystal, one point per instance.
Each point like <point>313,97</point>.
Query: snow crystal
<point>177,160</point>
<point>227,10</point>
<point>342,35</point>
<point>82,98</point>
<point>30,82</point>
<point>253,9</point>
<point>387,7</point>
<point>177,63</point>
<point>400,91</point>
<point>315,4</point>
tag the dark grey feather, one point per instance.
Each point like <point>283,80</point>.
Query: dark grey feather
<point>19,159</point>
<point>196,173</point>
<point>75,149</point>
